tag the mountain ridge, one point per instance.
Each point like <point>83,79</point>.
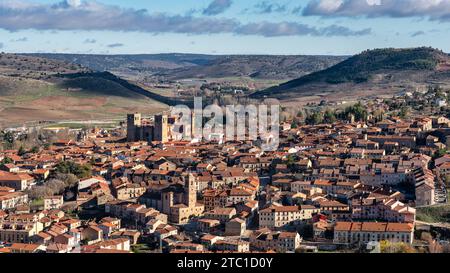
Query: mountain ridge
<point>176,66</point>
<point>383,67</point>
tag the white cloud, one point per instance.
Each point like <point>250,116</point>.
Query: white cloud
<point>433,9</point>
<point>90,15</point>
<point>269,29</point>
<point>74,3</point>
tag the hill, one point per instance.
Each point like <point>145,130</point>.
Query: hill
<point>36,89</point>
<point>257,67</point>
<point>186,66</point>
<point>377,71</point>
<point>131,63</point>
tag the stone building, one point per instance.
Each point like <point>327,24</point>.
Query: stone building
<point>138,129</point>
<point>164,128</point>
<point>176,200</point>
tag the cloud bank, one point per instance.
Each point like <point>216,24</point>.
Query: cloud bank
<point>19,15</point>
<point>269,29</point>
<point>432,9</point>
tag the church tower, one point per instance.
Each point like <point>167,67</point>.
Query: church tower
<point>161,128</point>
<point>191,190</point>
<point>134,123</point>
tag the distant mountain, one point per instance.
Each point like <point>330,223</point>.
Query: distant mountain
<point>373,69</point>
<point>71,87</point>
<point>133,63</point>
<point>39,89</point>
<point>186,66</point>
<point>257,67</point>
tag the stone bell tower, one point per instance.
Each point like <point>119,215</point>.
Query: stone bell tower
<point>191,190</point>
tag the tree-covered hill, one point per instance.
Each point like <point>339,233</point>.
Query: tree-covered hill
<point>367,66</point>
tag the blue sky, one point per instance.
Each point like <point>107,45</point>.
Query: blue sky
<point>331,27</point>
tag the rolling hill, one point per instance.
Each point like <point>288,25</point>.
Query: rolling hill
<point>36,89</point>
<point>256,67</point>
<point>59,87</point>
<point>152,63</point>
<point>369,73</point>
<point>186,66</point>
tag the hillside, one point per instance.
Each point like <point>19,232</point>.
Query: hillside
<point>36,89</point>
<point>377,71</point>
<point>257,67</point>
<point>186,66</point>
<point>17,69</point>
<point>132,63</point>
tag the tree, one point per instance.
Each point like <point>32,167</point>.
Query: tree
<point>70,167</point>
<point>391,247</point>
<point>34,150</point>
<point>440,153</point>
<point>56,186</point>
<point>6,160</point>
<point>21,151</point>
<point>358,111</point>
<point>8,139</point>
<point>404,112</point>
<point>39,192</point>
<point>290,163</point>
<point>329,116</point>
<point>70,180</point>
<point>306,231</point>
<point>378,115</point>
<point>314,118</point>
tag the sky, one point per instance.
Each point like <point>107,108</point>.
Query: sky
<point>310,27</point>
